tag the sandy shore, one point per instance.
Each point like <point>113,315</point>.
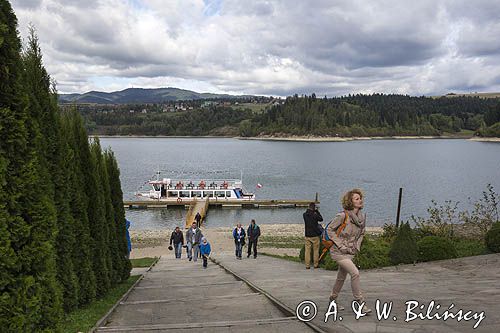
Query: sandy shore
<point>310,138</point>
<point>154,243</point>
<point>485,139</point>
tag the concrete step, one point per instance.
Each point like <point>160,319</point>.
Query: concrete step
<point>196,310</point>
<point>278,325</point>
<point>186,291</point>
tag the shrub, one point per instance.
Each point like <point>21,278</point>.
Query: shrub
<point>441,219</point>
<point>484,214</point>
<point>374,253</point>
<point>493,238</point>
<point>389,232</point>
<point>436,248</point>
<point>404,248</point>
<point>469,247</point>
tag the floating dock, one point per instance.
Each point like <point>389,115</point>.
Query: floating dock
<point>264,203</point>
<point>201,206</point>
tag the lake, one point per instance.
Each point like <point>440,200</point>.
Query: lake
<point>438,169</point>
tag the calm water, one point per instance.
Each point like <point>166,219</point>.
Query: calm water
<point>426,169</point>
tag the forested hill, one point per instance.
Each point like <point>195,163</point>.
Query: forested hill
<point>375,115</point>
<point>140,95</point>
<point>353,115</point>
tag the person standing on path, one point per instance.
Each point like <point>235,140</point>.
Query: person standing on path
<point>239,240</point>
<point>312,233</point>
<point>253,233</point>
<point>193,239</point>
<point>198,219</point>
<point>205,251</point>
<point>347,235</point>
<point>178,240</point>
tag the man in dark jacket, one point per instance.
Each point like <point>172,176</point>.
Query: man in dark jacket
<point>178,239</point>
<point>312,233</point>
<point>253,233</point>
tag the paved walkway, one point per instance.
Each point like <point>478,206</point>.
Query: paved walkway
<point>180,296</point>
<point>470,283</point>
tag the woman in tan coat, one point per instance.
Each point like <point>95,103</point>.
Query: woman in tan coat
<point>346,231</point>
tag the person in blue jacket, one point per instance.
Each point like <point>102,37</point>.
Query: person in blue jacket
<point>127,235</point>
<point>205,251</point>
<point>239,240</point>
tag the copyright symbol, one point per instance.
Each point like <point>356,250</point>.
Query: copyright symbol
<point>306,311</point>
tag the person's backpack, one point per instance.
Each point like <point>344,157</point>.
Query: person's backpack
<point>325,239</point>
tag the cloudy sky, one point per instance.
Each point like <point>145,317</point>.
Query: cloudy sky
<point>278,48</point>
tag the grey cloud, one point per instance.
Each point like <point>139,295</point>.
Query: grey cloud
<point>279,47</point>
<point>28,4</point>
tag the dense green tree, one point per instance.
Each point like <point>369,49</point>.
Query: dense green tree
<point>404,248</point>
<point>73,131</point>
<point>30,299</point>
<point>43,112</point>
<point>120,263</point>
<point>99,231</point>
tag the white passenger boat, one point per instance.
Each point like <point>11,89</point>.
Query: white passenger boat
<point>186,190</point>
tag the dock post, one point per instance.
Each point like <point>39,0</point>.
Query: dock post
<point>399,206</point>
<point>317,197</point>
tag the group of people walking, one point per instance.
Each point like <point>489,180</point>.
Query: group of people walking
<point>196,244</point>
<point>239,235</point>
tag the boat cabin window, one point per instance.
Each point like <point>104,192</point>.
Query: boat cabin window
<point>196,194</point>
<point>184,194</point>
<point>156,187</point>
<point>220,194</point>
<point>228,194</point>
<point>173,194</point>
<point>209,194</point>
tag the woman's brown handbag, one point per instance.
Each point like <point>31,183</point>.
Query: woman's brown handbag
<point>327,242</point>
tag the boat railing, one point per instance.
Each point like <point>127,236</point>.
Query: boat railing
<point>183,184</point>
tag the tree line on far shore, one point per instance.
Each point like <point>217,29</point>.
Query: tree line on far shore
<point>62,221</point>
<point>376,115</point>
<point>347,116</point>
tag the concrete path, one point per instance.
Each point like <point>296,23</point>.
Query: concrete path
<point>181,296</point>
<point>469,283</point>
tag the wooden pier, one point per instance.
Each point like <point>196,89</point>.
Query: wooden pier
<point>197,206</point>
<point>224,203</point>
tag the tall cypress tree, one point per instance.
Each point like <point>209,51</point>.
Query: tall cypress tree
<point>97,214</point>
<point>72,130</point>
<point>120,260</point>
<point>31,296</point>
<point>43,111</point>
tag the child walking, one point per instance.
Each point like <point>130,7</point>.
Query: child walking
<point>205,251</point>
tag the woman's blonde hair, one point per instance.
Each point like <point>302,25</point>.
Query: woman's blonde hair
<point>347,198</point>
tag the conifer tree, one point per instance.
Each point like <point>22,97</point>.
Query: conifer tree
<point>30,296</point>
<point>72,129</point>
<point>123,264</point>
<point>43,111</point>
<point>99,233</point>
<point>404,249</point>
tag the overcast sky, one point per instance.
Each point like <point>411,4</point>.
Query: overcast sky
<point>277,48</point>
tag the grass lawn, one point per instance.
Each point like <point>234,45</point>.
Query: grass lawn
<point>143,262</point>
<point>291,258</point>
<point>288,242</point>
<point>82,320</point>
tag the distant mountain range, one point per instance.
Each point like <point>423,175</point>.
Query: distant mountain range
<point>140,95</point>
